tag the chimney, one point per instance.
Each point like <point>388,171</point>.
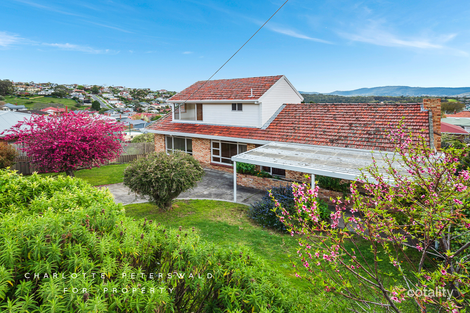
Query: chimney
<point>434,107</point>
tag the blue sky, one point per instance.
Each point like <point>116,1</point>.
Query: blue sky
<point>322,45</point>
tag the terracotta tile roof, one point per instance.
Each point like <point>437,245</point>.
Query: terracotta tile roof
<point>452,129</point>
<point>460,114</point>
<point>227,89</point>
<point>360,126</point>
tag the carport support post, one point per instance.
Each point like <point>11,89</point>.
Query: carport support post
<point>312,184</point>
<point>234,181</point>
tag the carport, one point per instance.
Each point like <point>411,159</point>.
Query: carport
<point>343,163</point>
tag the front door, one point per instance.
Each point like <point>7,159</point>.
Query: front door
<point>199,111</point>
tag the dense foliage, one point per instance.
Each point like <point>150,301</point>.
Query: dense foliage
<point>263,214</point>
<point>250,169</point>
<point>69,141</point>
<point>7,155</point>
<point>162,177</point>
<point>416,220</point>
<point>332,183</point>
<point>6,87</point>
<point>149,137</point>
<point>67,247</point>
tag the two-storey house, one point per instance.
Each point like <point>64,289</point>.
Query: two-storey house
<point>216,120</point>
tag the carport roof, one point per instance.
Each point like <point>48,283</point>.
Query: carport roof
<point>336,162</point>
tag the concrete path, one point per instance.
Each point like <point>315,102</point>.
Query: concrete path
<point>215,185</point>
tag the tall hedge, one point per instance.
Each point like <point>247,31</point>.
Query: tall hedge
<point>64,226</point>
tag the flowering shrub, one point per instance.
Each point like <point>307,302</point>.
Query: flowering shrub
<point>7,155</point>
<point>68,142</point>
<point>90,257</point>
<point>426,249</point>
<point>263,214</point>
<point>163,176</point>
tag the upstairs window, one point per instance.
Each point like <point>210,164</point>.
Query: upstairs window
<point>237,106</point>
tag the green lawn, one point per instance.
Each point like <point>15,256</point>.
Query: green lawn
<point>226,224</point>
<point>30,103</point>
<point>105,175</point>
<point>451,100</point>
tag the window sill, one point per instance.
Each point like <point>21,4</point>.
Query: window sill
<point>222,165</point>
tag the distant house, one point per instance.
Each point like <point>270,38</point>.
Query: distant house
<point>51,110</point>
<point>447,128</point>
<point>217,120</point>
<point>463,114</point>
<point>13,107</point>
<point>130,123</point>
<point>459,121</point>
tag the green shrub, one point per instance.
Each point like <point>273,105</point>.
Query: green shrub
<point>149,137</point>
<point>92,244</point>
<point>262,211</point>
<point>250,169</point>
<point>163,176</point>
<point>7,155</point>
<point>332,183</point>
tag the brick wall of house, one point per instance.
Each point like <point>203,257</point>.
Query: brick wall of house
<point>434,105</point>
<point>159,143</point>
<point>297,176</point>
<point>202,150</point>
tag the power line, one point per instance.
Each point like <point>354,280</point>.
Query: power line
<point>236,51</point>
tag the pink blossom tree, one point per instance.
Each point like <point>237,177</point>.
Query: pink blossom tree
<point>68,142</point>
<point>416,227</point>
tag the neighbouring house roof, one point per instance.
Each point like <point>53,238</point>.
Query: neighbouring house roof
<point>457,121</point>
<point>452,129</point>
<point>10,118</point>
<point>465,114</point>
<point>15,107</point>
<point>34,112</point>
<point>53,109</point>
<point>359,126</point>
<point>227,89</point>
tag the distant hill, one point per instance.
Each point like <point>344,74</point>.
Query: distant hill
<point>397,91</point>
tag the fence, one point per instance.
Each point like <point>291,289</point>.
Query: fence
<point>130,152</point>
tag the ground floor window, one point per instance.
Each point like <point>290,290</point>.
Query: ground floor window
<point>274,171</point>
<point>223,151</point>
<point>179,143</point>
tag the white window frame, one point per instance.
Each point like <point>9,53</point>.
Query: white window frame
<point>270,171</point>
<point>220,142</point>
<point>168,150</point>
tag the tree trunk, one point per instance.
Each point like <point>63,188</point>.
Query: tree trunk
<point>70,173</point>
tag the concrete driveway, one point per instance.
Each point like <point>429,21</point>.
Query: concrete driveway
<point>215,185</point>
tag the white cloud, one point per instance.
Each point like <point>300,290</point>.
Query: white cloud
<point>187,52</point>
<point>85,49</point>
<point>374,33</point>
<point>292,33</point>
<point>7,39</point>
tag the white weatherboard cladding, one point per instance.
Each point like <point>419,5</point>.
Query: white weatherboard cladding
<point>280,93</point>
<point>222,114</point>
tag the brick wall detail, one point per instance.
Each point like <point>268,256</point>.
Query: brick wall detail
<point>434,105</point>
<point>297,176</point>
<point>202,150</point>
<point>159,143</point>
